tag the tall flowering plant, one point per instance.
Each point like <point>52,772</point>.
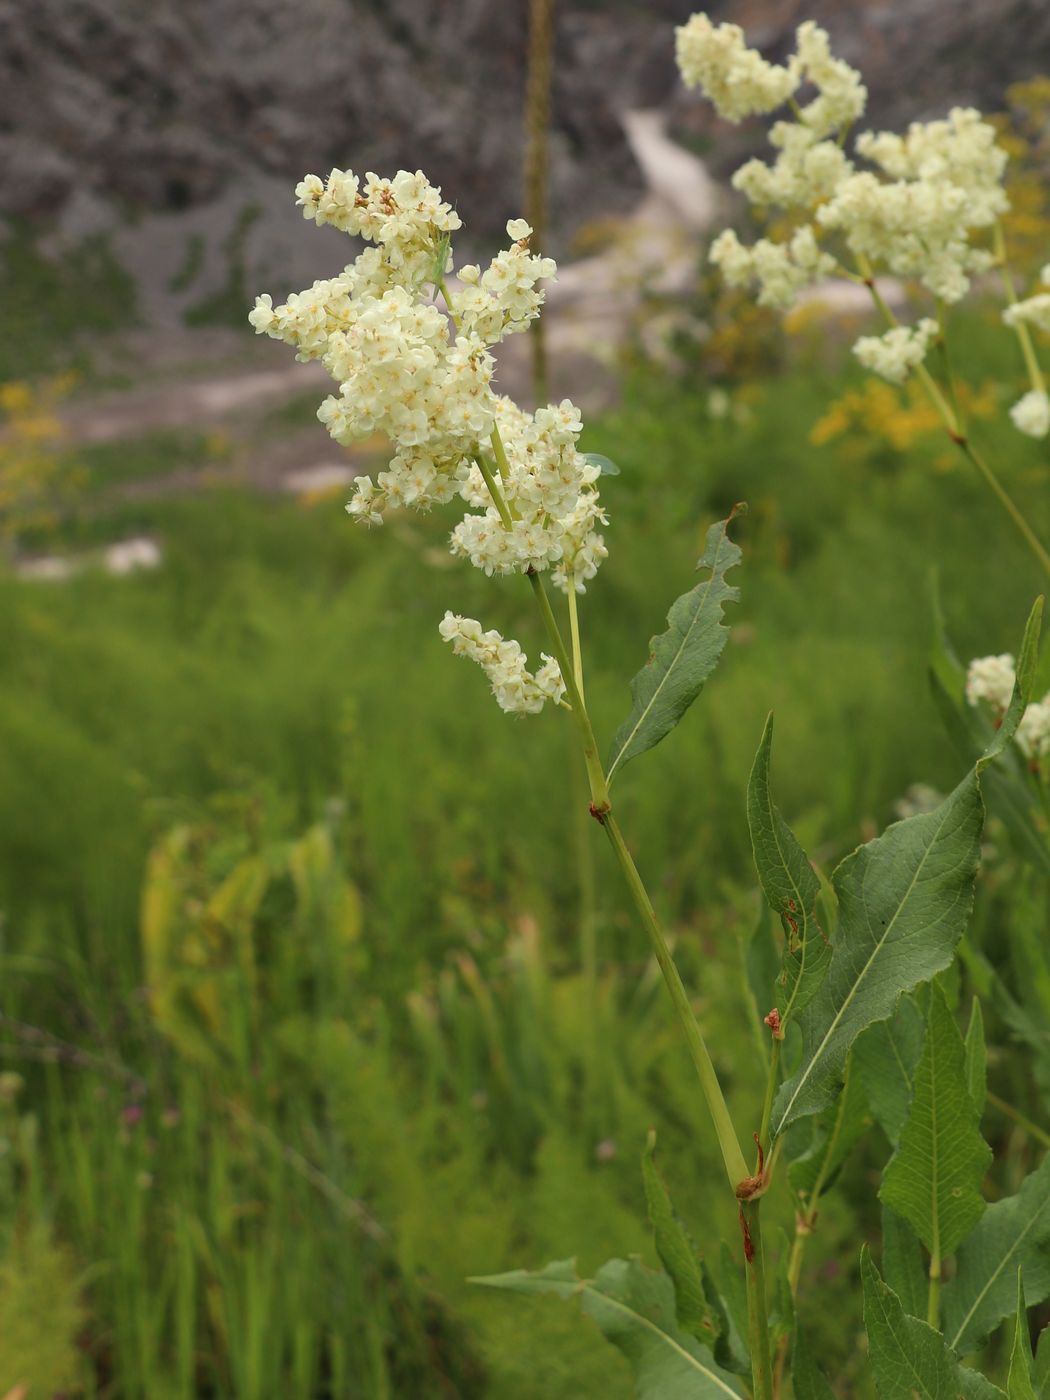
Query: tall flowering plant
<point>856,973</point>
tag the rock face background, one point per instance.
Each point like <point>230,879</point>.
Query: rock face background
<point>183,127</point>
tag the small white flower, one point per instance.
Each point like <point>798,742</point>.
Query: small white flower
<point>518,229</point>
<point>1031,414</point>
<point>1033,733</point>
<point>991,678</point>
<point>1034,311</point>
<point>738,80</point>
<point>516,689</point>
<point>897,352</point>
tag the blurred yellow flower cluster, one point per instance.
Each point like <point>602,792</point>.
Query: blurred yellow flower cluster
<point>895,416</point>
<point>34,471</point>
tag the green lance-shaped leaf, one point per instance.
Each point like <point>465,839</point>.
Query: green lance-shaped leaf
<point>605,465</point>
<point>682,658</point>
<point>835,1132</point>
<point>791,886</point>
<point>635,1309</point>
<point>1024,683</point>
<point>1019,1382</point>
<point>727,1296</point>
<point>904,900</point>
<point>976,1058</point>
<point>911,1361</point>
<point>903,1267</point>
<point>677,1254</point>
<point>1012,1234</point>
<point>934,1179</point>
<point>762,967</point>
<point>884,1059</point>
<point>1042,1365</point>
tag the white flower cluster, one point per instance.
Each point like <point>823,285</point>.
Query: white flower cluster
<point>806,171</point>
<point>1031,413</point>
<point>504,298</point>
<point>991,679</point>
<point>938,185</point>
<point>736,79</point>
<point>741,83</point>
<point>841,96</point>
<point>549,489</point>
<point>912,216</point>
<point>405,216</point>
<point>1034,310</point>
<point>780,269</point>
<point>404,372</point>
<point>516,689</point>
<point>896,353</point>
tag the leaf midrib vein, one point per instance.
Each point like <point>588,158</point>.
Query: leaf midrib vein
<point>664,1336</point>
<point>999,1269</point>
<point>804,1077</point>
<point>674,660</point>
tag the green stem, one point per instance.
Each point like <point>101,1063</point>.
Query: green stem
<point>808,1218</point>
<point>587,916</point>
<point>1035,374</point>
<point>933,1302</point>
<point>595,1107</point>
<point>537,132</point>
<point>958,435</point>
<point>1007,503</point>
<point>772,1081</point>
<point>574,633</point>
<point>596,777</point>
<point>1008,1110</point>
<point>757,1313</point>
<point>736,1166</point>
<point>599,788</point>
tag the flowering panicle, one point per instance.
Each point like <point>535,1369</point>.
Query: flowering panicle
<point>896,353</point>
<point>550,491</point>
<point>516,689</point>
<point>406,370</point>
<point>912,212</point>
<point>1034,310</point>
<point>780,269</point>
<point>991,679</point>
<point>735,78</point>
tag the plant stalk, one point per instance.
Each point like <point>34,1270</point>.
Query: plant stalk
<point>772,1081</point>
<point>1024,336</point>
<point>728,1142</point>
<point>933,1302</point>
<point>757,1313</point>
<point>595,774</point>
<point>1025,1124</point>
<point>587,908</point>
<point>537,131</point>
<point>957,433</point>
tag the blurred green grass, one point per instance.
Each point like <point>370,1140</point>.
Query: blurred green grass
<point>283,669</point>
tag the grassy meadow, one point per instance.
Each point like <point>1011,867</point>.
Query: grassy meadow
<point>296,1025</point>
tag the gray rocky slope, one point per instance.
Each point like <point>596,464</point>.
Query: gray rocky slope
<point>185,125</point>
